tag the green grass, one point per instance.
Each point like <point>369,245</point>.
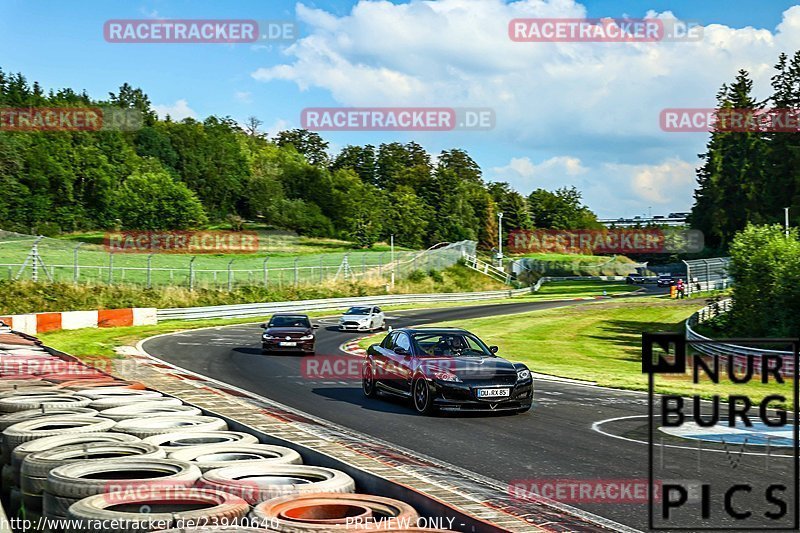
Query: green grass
<point>601,342</point>
<point>579,289</point>
<point>28,297</point>
<point>315,256</point>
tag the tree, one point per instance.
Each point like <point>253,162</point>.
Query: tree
<point>307,143</point>
<point>406,218</point>
<point>152,200</point>
<point>252,125</point>
<point>360,159</point>
<point>560,209</point>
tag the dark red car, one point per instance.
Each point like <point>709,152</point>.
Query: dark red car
<point>288,332</point>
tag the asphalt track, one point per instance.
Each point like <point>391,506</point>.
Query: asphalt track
<point>574,432</point>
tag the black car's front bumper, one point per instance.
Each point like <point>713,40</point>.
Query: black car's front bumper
<point>453,396</point>
<point>274,346</point>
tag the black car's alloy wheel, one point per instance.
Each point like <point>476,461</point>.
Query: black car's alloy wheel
<point>423,402</point>
<point>368,382</point>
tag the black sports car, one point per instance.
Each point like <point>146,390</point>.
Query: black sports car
<point>288,332</point>
<point>446,369</point>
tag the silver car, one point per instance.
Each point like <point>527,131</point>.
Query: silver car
<point>362,318</point>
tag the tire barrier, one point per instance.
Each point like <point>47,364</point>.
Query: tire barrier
<point>96,393</point>
<point>261,482</point>
<point>115,479</point>
<point>182,440</point>
<point>148,409</point>
<point>185,508</point>
<point>9,419</point>
<point>25,401</point>
<point>242,455</point>
<point>12,483</point>
<point>36,466</point>
<point>48,426</point>
<point>330,512</point>
<point>147,427</point>
<point>111,402</point>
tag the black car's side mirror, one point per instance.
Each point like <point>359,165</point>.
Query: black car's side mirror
<point>263,325</point>
<point>493,349</point>
<point>400,351</point>
<point>315,326</point>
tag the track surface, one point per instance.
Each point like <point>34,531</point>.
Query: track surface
<point>554,440</point>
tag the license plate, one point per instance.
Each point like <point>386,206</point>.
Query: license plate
<point>494,393</point>
<point>288,344</point>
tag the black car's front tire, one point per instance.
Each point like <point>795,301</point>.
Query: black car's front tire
<point>421,393</point>
<point>368,382</point>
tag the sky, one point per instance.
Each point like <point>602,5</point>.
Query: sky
<point>567,114</point>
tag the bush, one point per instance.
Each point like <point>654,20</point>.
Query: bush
<point>435,275</point>
<point>152,200</point>
<point>765,266</point>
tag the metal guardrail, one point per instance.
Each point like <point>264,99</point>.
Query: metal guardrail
<point>546,279</point>
<point>266,308</point>
<point>725,351</point>
<point>707,274</point>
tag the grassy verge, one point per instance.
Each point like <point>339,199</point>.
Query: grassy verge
<point>28,297</point>
<point>601,343</point>
<point>579,289</point>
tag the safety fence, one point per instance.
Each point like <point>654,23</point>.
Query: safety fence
<point>707,274</point>
<point>37,258</point>
<point>725,351</point>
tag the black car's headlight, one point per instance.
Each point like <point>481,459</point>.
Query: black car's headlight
<point>268,337</point>
<point>446,376</point>
<point>523,375</point>
<point>307,337</point>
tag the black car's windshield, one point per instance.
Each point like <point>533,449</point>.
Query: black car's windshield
<point>451,345</point>
<point>289,322</point>
<point>358,311</point>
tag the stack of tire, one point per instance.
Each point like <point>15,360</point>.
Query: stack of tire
<point>84,446</point>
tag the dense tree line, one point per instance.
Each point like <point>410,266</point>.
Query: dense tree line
<point>178,175</point>
<point>750,176</point>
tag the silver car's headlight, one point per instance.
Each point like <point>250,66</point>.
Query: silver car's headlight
<point>522,375</point>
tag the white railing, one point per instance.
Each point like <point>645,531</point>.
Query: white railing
<point>725,351</point>
<point>488,269</point>
<point>267,308</point>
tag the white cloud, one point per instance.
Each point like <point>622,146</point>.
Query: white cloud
<point>177,111</point>
<point>599,102</point>
<point>526,175</point>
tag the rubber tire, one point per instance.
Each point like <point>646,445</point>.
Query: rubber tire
<point>48,443</point>
<point>39,464</point>
<point>238,480</point>
<point>225,509</point>
<point>371,392</point>
<point>233,437</point>
<point>68,480</point>
<point>117,392</point>
<point>13,404</point>
<point>269,455</point>
<point>270,513</point>
<point>147,427</point>
<point>148,409</point>
<point>427,409</point>
<point>21,432</point>
<point>9,419</point>
<point>111,402</point>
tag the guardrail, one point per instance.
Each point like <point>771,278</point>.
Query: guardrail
<point>724,351</point>
<point>266,308</point>
<point>546,279</point>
